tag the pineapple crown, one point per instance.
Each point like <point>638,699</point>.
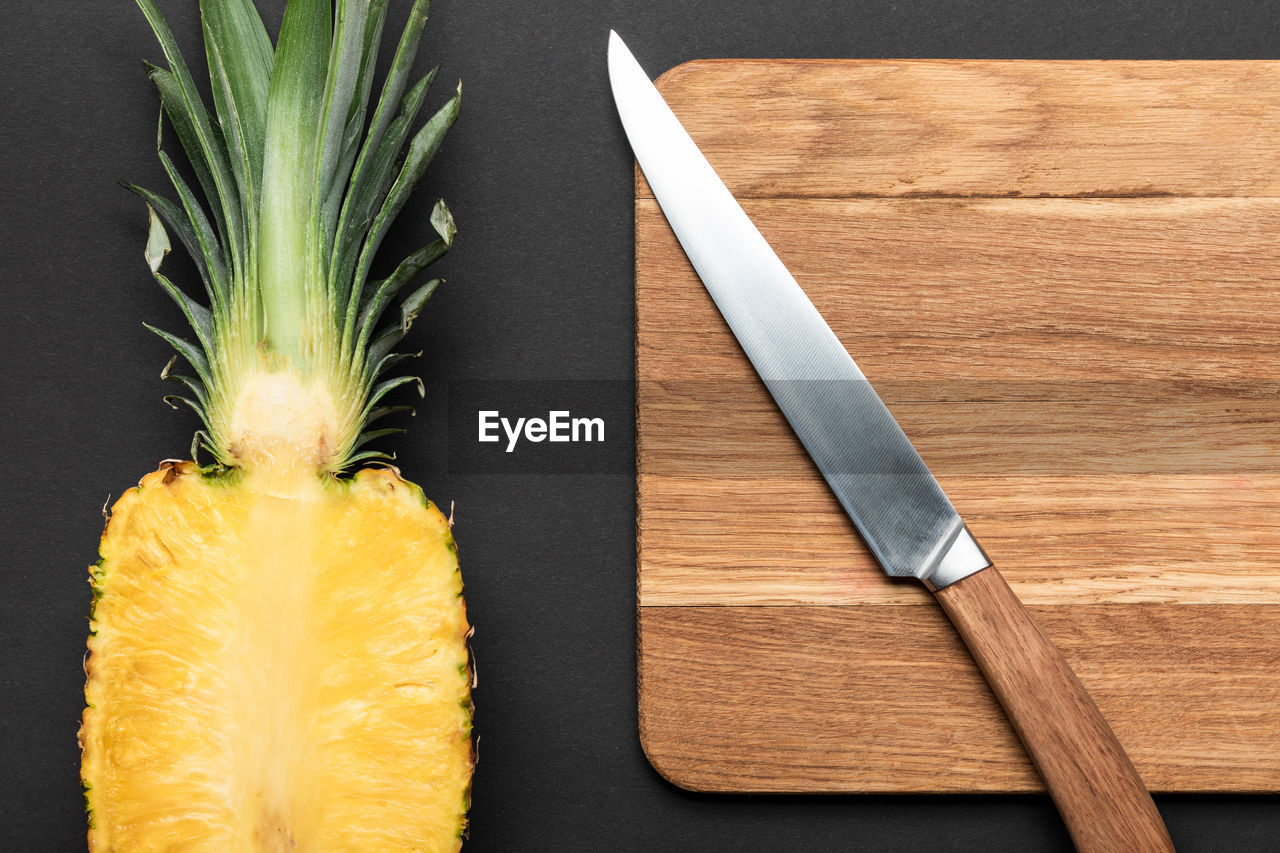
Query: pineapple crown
<point>302,184</point>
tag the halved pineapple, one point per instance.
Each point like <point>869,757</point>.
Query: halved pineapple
<point>277,670</point>
<point>278,659</point>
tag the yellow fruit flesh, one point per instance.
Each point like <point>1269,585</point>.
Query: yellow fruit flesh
<point>277,669</point>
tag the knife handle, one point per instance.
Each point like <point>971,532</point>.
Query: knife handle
<point>1093,783</point>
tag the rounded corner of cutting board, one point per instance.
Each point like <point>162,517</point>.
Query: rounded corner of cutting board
<point>672,771</point>
<point>675,75</point>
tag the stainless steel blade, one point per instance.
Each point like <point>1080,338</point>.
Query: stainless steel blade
<point>870,464</point>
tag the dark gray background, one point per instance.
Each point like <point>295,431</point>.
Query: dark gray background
<point>540,287</point>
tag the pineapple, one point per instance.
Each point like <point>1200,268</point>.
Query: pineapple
<point>278,653</point>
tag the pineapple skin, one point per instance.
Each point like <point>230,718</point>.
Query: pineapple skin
<point>276,665</point>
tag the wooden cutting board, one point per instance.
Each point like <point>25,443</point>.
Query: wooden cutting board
<point>1064,279</point>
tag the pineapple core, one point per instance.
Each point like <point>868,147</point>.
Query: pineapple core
<point>279,422</point>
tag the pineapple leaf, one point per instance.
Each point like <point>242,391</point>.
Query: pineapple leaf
<point>202,441</point>
<point>176,221</point>
<point>389,103</point>
<point>158,245</point>
<point>158,248</point>
<point>421,150</point>
<point>388,361</point>
<point>192,353</point>
<point>235,135</point>
<point>210,247</point>
<point>368,184</point>
<point>240,56</point>
<point>370,455</point>
<point>413,304</point>
<point>197,315</point>
<point>288,269</point>
<point>383,388</point>
<point>354,131</point>
<point>171,98</point>
<point>346,64</point>
<point>337,187</point>
<point>371,434</point>
<point>398,76</point>
<point>195,130</point>
<point>173,400</point>
<point>383,411</point>
<point>386,290</point>
<point>442,221</point>
<point>192,384</point>
<point>393,333</point>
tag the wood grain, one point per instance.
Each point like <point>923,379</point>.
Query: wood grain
<point>1064,279</point>
<point>843,698</point>
<point>1100,796</point>
<point>921,128</point>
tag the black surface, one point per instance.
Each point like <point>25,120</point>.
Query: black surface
<point>540,288</point>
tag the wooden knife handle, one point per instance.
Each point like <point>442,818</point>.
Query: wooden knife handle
<point>1092,781</point>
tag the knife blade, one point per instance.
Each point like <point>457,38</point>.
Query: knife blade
<point>898,507</point>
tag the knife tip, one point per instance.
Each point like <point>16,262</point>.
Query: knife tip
<point>615,42</point>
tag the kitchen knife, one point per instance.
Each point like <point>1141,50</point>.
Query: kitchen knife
<point>898,507</point>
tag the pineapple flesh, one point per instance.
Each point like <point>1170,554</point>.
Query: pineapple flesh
<point>276,669</point>
<point>278,653</point>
